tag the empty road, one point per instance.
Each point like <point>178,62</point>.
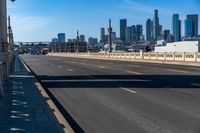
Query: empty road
<point>101,96</point>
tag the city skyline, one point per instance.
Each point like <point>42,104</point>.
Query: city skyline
<point>45,25</point>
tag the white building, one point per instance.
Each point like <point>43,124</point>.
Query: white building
<point>184,46</point>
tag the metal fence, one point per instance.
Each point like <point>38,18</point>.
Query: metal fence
<point>154,56</point>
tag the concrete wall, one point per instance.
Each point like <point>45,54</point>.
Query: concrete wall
<point>184,46</point>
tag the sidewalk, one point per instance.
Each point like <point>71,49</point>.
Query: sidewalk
<point>23,109</point>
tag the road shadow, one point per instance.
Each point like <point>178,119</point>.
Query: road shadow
<point>115,81</point>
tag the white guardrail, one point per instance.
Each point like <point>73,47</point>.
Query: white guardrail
<point>1,78</point>
<point>154,56</point>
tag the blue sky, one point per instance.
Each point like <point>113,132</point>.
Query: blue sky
<point>41,20</point>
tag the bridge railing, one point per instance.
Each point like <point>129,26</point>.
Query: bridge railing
<point>154,56</point>
<point>2,77</point>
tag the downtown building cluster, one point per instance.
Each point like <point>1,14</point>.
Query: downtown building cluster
<point>133,36</point>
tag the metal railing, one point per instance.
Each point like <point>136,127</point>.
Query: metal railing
<point>154,56</point>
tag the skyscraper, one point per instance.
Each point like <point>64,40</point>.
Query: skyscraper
<point>139,31</point>
<point>176,27</point>
<point>155,25</point>
<point>61,37</point>
<point>129,34</point>
<point>195,27</point>
<point>134,35</point>
<point>123,25</point>
<point>149,30</point>
<point>188,28</point>
<point>82,38</point>
<point>166,34</point>
<point>102,34</point>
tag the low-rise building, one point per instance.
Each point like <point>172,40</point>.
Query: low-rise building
<point>183,46</point>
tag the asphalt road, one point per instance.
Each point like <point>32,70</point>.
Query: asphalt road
<point>101,96</point>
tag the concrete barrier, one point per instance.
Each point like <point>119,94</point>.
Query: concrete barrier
<point>1,78</point>
<point>154,57</point>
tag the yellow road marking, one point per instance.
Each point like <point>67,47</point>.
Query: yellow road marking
<point>134,65</point>
<point>178,71</point>
<point>102,67</point>
<point>134,72</point>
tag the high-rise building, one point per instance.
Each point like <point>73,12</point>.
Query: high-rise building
<point>123,25</point>
<point>92,42</point>
<point>195,27</point>
<point>155,25</point>
<point>134,35</point>
<point>61,37</point>
<point>129,34</point>
<point>102,34</point>
<point>188,28</point>
<point>139,31</point>
<point>176,27</point>
<point>114,36</point>
<point>180,36</point>
<point>166,34</point>
<point>149,30</point>
<point>82,38</point>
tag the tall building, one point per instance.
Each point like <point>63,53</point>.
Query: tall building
<point>82,38</point>
<point>176,27</point>
<point>195,27</point>
<point>149,30</point>
<point>188,28</point>
<point>129,34</point>
<point>139,31</point>
<point>166,34</point>
<point>134,35</point>
<point>113,36</point>
<point>123,25</point>
<point>156,25</point>
<point>180,36</point>
<point>61,37</point>
<point>102,34</point>
<point>92,42</point>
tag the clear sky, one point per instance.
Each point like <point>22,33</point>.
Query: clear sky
<point>41,20</point>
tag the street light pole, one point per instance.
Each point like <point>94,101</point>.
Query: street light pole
<point>110,35</point>
<point>3,27</point>
<point>4,54</point>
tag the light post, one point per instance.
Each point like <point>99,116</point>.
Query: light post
<point>110,35</point>
<point>4,54</point>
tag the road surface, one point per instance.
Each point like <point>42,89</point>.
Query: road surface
<point>102,96</point>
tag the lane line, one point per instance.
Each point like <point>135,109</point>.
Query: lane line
<point>103,67</point>
<point>134,72</point>
<point>59,66</point>
<point>178,71</point>
<point>131,91</point>
<point>196,84</point>
<point>70,70</point>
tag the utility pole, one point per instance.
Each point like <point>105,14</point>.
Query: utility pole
<point>110,35</point>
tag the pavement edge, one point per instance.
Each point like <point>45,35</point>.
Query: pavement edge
<point>58,115</point>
